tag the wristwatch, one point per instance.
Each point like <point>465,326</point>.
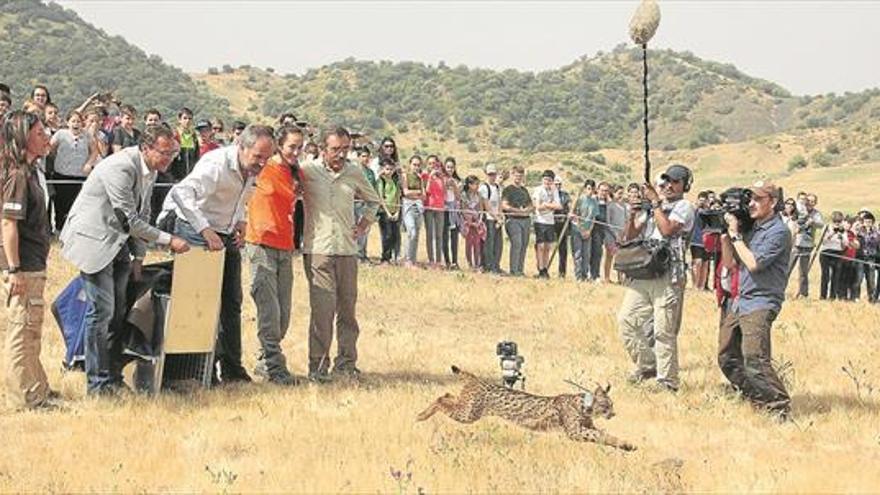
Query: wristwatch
<point>12,269</point>
<point>735,238</point>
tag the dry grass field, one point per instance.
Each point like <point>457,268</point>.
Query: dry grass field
<point>348,437</point>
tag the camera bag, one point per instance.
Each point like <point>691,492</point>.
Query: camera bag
<point>643,259</point>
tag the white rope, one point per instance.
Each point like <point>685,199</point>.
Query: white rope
<point>833,255</point>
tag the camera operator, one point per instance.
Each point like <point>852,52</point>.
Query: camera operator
<point>670,220</point>
<point>762,258</point>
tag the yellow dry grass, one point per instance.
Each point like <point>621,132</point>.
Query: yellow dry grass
<point>348,438</point>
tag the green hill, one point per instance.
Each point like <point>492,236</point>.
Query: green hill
<point>594,102</point>
<point>47,44</point>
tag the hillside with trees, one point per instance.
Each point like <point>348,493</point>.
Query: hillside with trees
<point>51,45</point>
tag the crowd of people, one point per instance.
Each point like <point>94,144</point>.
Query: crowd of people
<point>109,190</point>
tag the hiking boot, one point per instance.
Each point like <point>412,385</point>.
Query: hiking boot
<point>284,379</point>
<point>639,376</point>
<point>320,377</point>
<point>351,372</point>
<point>663,386</point>
<point>51,404</point>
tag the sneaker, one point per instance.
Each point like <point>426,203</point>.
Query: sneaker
<point>639,376</point>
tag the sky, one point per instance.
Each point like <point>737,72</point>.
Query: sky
<point>808,47</point>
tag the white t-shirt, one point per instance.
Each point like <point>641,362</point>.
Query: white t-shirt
<point>492,194</point>
<point>542,195</point>
<point>681,211</point>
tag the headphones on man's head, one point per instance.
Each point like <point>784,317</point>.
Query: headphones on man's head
<point>688,175</point>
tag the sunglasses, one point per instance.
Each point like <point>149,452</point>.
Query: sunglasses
<point>217,129</point>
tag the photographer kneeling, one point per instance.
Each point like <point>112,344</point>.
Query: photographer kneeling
<point>762,257</point>
<point>658,292</point>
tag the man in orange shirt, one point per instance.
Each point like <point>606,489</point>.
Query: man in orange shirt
<point>269,248</point>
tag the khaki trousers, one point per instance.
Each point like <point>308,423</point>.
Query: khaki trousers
<point>25,378</point>
<point>332,296</point>
<point>661,299</point>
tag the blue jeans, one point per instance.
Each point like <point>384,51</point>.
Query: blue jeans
<point>229,336</point>
<point>105,323</point>
<point>581,250</point>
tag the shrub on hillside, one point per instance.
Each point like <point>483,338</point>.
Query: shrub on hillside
<point>797,162</point>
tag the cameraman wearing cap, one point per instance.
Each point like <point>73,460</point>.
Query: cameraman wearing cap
<point>671,220</point>
<point>762,258</point>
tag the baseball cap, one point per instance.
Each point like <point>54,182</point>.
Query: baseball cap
<point>558,180</point>
<point>203,124</point>
<point>676,173</point>
<point>548,173</point>
<point>491,169</point>
<point>763,188</point>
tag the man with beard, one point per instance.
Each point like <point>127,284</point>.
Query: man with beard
<point>670,221</point>
<point>331,184</point>
<point>208,207</point>
<point>761,257</point>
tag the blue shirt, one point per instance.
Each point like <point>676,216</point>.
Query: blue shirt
<point>770,243</point>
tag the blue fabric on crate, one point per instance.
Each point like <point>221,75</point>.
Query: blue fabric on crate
<point>69,310</point>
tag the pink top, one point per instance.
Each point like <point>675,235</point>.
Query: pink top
<point>435,193</point>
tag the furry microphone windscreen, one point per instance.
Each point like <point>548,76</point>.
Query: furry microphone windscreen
<point>644,22</point>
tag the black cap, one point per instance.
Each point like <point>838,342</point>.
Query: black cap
<point>548,173</point>
<point>203,124</point>
<point>238,125</point>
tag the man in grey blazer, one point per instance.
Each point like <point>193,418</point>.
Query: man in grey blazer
<point>107,225</point>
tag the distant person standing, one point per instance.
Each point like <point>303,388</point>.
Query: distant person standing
<point>516,203</point>
<point>331,184</point>
<point>490,192</point>
<point>413,206</point>
<point>209,207</point>
<point>546,200</point>
<point>364,157</point>
<point>809,222</point>
<point>269,248</point>
<point>75,153</point>
<point>616,215</point>
<point>188,139</point>
<point>390,192</point>
<point>24,249</point>
<point>473,228</point>
<point>562,234</point>
<point>206,137</point>
<point>435,210</point>
<point>583,216</point>
<point>125,135</point>
<point>600,230</point>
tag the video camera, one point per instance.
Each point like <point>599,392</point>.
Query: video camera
<point>511,364</point>
<point>735,201</point>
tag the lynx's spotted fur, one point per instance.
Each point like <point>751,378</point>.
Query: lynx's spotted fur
<point>571,413</point>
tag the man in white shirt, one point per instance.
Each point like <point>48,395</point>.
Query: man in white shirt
<point>208,207</point>
<point>546,200</point>
<point>662,297</point>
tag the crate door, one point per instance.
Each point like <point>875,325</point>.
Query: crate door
<point>191,324</point>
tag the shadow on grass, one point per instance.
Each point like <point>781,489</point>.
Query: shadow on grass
<point>823,403</point>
